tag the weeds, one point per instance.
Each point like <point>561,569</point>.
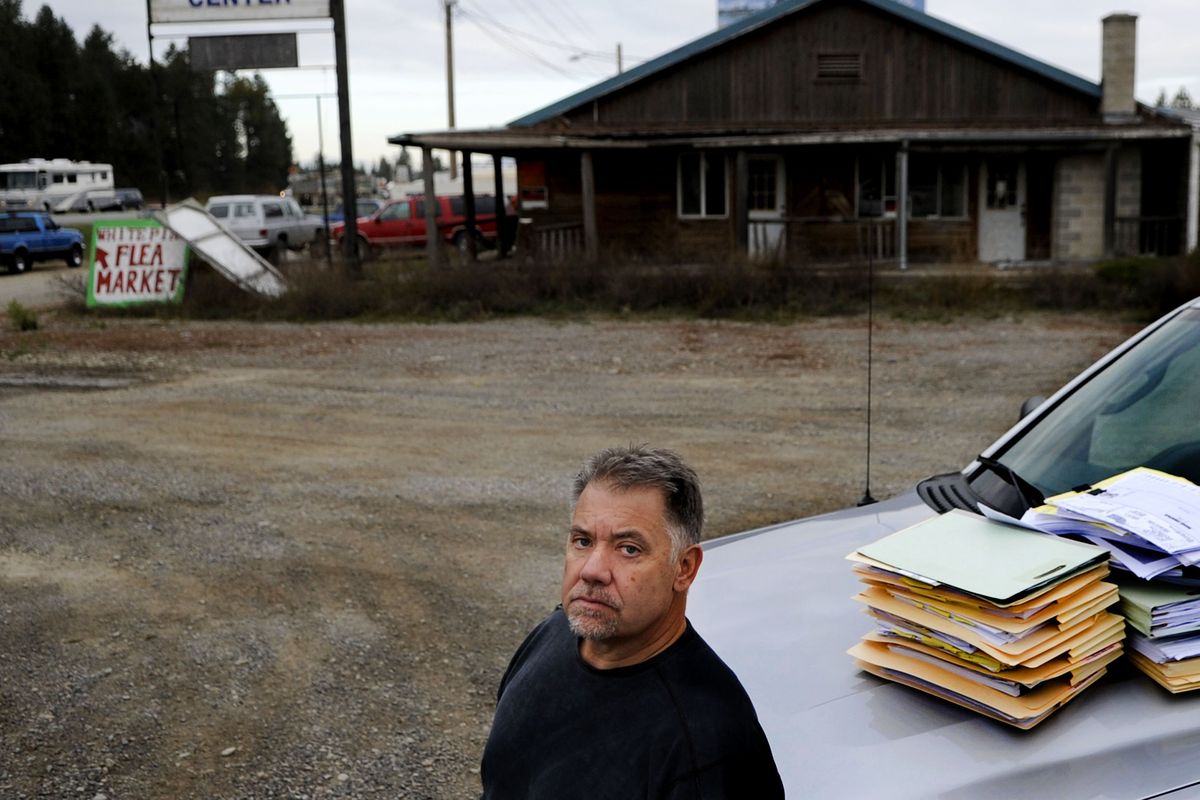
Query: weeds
<point>21,318</point>
<point>736,289</point>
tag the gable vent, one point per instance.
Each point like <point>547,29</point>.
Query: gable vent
<point>839,65</point>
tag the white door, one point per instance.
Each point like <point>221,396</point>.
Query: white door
<point>1002,210</point>
<point>766,207</point>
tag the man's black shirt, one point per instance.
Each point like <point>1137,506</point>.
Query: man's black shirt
<point>677,726</point>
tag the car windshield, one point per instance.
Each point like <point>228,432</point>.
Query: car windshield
<point>1139,411</point>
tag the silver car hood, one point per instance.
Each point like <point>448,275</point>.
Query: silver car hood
<point>775,604</point>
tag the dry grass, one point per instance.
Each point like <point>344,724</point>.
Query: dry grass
<point>409,289</point>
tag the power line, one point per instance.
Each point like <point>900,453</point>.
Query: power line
<point>479,15</point>
<point>549,23</point>
<point>571,14</point>
<point>576,52</point>
<point>519,49</point>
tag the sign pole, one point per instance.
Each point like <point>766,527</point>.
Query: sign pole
<point>349,190</point>
<point>158,144</point>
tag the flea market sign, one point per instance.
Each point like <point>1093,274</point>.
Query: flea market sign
<point>135,261</point>
<point>236,10</point>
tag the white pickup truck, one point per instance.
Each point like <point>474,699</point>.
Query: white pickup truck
<point>268,223</point>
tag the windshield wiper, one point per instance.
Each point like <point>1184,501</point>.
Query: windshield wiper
<point>1006,491</point>
<point>997,487</point>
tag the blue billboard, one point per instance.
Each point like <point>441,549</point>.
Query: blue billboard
<point>732,10</point>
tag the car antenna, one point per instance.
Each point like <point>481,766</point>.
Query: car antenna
<point>867,499</point>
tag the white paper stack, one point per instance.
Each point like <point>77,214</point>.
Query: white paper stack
<point>1149,522</point>
<point>997,619</point>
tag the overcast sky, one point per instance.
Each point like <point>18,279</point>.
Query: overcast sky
<point>515,56</point>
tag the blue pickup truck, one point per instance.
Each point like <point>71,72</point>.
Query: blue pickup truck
<point>29,236</point>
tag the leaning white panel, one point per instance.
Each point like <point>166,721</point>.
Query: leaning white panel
<point>220,247</point>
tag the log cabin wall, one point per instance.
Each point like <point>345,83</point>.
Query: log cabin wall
<point>906,74</point>
<point>636,211</point>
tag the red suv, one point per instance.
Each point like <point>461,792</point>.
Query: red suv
<point>401,223</point>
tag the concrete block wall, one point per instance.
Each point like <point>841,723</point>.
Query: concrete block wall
<point>1079,207</point>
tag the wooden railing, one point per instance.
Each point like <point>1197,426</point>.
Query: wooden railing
<point>1148,236</point>
<point>558,240</point>
<point>876,238</point>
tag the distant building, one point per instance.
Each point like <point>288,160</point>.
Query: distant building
<point>827,130</point>
<point>730,11</point>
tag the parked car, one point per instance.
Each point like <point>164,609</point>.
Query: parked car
<point>30,236</point>
<point>366,208</point>
<point>268,223</point>
<point>775,603</point>
<point>401,223</point>
<point>129,198</point>
<point>85,202</point>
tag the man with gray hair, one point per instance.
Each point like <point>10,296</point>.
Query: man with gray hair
<point>615,695</point>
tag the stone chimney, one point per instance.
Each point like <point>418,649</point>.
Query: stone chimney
<point>1119,66</point>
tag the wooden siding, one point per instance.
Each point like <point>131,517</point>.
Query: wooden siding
<point>637,217</point>
<point>769,77</point>
<point>636,213</point>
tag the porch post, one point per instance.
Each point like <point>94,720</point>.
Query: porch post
<point>1192,225</point>
<point>433,250</point>
<point>588,174</point>
<point>501,207</point>
<point>902,205</point>
<point>1110,200</point>
<point>741,202</point>
<point>469,206</point>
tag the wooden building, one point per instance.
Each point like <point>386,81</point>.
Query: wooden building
<point>796,132</point>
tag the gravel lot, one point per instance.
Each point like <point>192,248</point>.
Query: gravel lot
<point>266,561</point>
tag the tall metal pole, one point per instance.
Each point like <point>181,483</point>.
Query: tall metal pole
<point>450,78</point>
<point>349,190</point>
<point>158,145</point>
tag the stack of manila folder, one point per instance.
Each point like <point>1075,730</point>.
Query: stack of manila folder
<point>1001,620</point>
<point>1164,641</point>
<point>1150,523</point>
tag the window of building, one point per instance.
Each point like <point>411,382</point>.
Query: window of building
<point>937,187</point>
<point>1002,183</point>
<point>876,186</point>
<point>703,185</point>
<point>764,184</point>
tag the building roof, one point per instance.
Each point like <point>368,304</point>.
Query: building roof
<point>1189,115</point>
<point>782,9</point>
<point>513,140</point>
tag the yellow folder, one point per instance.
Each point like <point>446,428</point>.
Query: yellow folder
<point>1033,650</point>
<point>1023,712</point>
<point>1075,669</point>
<point>1173,677</point>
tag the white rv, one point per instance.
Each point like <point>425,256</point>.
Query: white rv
<point>56,185</point>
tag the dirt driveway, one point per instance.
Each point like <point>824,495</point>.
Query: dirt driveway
<point>267,561</point>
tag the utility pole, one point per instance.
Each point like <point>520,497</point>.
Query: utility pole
<point>156,119</point>
<point>349,195</point>
<point>450,77</point>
